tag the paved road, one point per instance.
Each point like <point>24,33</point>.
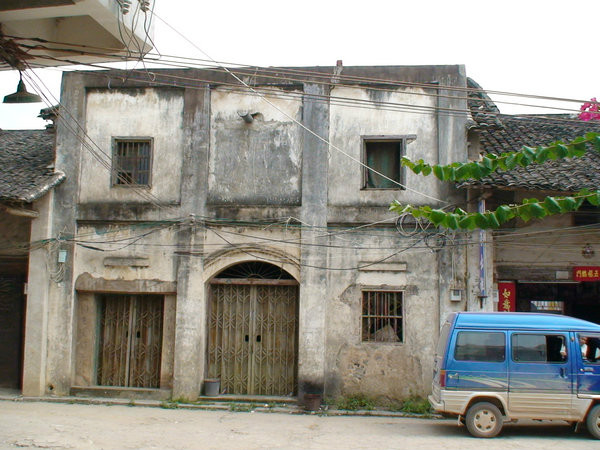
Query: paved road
<point>34,425</point>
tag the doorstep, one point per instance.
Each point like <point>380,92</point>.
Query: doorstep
<point>232,398</point>
<point>120,392</point>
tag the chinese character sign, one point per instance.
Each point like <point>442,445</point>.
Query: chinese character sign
<point>587,273</point>
<point>507,296</point>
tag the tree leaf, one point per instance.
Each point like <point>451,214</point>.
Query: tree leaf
<point>467,222</point>
<point>492,220</point>
<point>537,210</point>
<point>567,204</point>
<point>503,213</point>
<point>552,205</point>
<point>561,151</point>
<point>463,172</point>
<point>451,221</point>
<point>524,212</point>
<point>437,216</point>
<point>593,198</point>
<point>511,162</point>
<point>481,221</point>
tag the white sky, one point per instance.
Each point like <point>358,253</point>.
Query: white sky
<point>536,47</point>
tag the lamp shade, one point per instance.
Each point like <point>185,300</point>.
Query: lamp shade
<point>22,96</point>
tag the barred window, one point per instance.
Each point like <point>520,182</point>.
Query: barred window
<point>382,316</point>
<point>132,162</point>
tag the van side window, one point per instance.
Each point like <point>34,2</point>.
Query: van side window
<point>590,348</point>
<point>443,340</point>
<point>480,346</point>
<point>538,348</point>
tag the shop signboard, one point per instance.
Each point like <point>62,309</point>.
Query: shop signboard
<point>507,296</point>
<point>586,273</point>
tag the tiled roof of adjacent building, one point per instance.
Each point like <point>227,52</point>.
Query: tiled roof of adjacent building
<point>26,171</point>
<point>501,133</point>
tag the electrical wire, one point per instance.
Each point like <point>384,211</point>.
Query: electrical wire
<point>305,72</point>
<point>378,104</point>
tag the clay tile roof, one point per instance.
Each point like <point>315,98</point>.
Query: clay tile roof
<point>26,158</point>
<point>501,133</point>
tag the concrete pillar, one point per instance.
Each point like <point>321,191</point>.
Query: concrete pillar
<point>49,325</point>
<point>313,280</point>
<point>36,314</point>
<point>189,363</point>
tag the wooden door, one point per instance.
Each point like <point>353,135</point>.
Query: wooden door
<point>252,344</point>
<point>11,330</point>
<point>130,347</point>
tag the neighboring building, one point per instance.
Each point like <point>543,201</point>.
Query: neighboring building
<point>207,234</point>
<point>64,32</point>
<point>27,178</point>
<point>541,262</point>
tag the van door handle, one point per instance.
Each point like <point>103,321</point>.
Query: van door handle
<point>453,376</point>
<point>587,369</point>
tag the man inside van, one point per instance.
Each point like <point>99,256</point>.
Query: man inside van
<point>590,347</point>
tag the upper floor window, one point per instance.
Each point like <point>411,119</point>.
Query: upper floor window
<point>383,156</point>
<point>131,161</point>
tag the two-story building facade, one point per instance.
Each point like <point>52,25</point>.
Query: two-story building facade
<point>213,230</point>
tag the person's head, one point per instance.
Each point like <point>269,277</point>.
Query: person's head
<point>583,340</point>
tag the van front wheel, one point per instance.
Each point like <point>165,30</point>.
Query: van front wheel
<point>593,421</point>
<point>484,420</point>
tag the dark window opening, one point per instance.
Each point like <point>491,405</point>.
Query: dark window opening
<point>586,215</point>
<point>132,159</point>
<point>382,316</point>
<point>590,348</point>
<point>383,157</point>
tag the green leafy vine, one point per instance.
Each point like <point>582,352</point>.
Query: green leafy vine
<point>529,209</point>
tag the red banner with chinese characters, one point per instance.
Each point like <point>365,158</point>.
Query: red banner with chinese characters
<point>587,273</point>
<point>507,296</point>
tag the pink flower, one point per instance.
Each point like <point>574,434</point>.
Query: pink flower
<point>590,110</point>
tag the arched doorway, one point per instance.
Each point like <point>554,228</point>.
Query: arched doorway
<point>252,330</point>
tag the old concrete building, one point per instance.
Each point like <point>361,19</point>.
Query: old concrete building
<point>550,264</point>
<point>215,231</point>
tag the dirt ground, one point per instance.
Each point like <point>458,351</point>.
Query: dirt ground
<point>34,425</point>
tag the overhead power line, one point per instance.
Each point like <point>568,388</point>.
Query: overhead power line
<point>289,71</point>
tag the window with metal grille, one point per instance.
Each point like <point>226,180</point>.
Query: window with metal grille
<point>382,316</point>
<point>132,161</point>
<point>383,157</point>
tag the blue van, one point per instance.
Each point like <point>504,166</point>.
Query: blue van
<point>491,368</point>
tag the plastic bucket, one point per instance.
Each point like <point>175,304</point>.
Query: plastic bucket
<point>312,402</point>
<point>212,387</point>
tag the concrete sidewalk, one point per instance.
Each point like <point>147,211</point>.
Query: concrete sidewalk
<point>224,403</point>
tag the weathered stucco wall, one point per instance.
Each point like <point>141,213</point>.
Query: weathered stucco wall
<point>348,124</point>
<point>140,112</point>
<point>381,370</point>
<point>256,163</point>
<point>127,254</point>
